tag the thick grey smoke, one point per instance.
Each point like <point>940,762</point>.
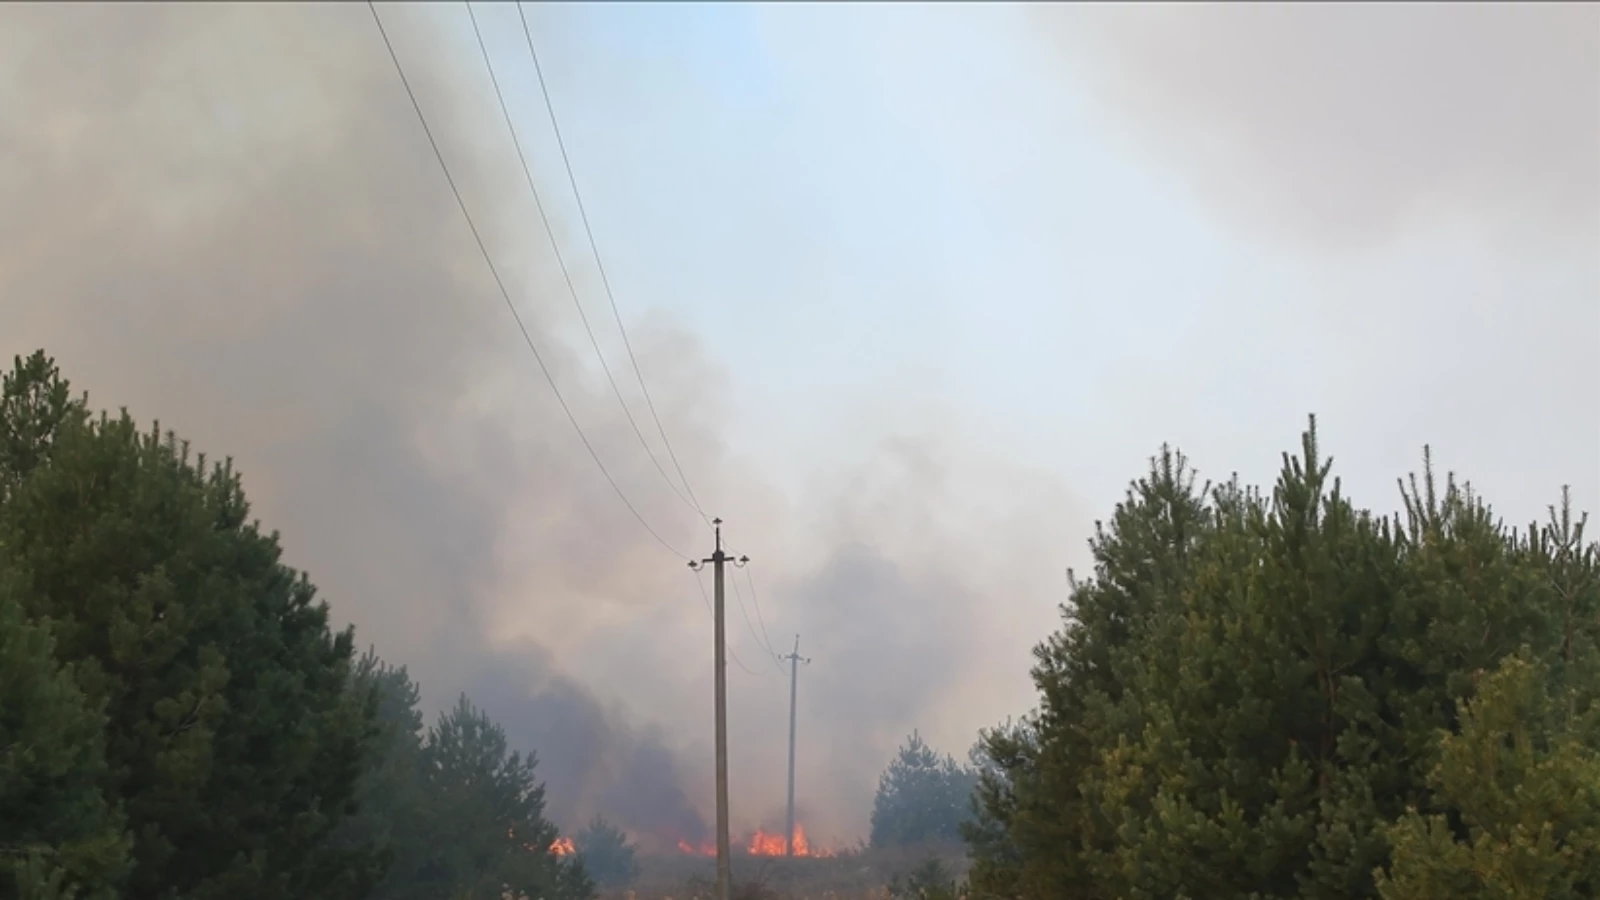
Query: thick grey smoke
<point>1347,124</point>
<point>227,217</point>
<point>599,762</point>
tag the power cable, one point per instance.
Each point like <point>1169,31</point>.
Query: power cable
<point>762,643</point>
<point>756,602</point>
<point>605,281</point>
<point>703,596</point>
<point>763,640</point>
<point>566,274</point>
<point>765,647</point>
<point>504,293</point>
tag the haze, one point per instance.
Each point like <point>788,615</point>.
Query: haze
<point>916,290</point>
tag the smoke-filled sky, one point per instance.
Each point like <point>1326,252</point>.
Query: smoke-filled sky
<point>916,290</point>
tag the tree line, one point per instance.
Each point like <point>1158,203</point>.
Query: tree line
<point>179,722</point>
<point>1258,694</point>
<point>1276,694</point>
<point>1280,695</point>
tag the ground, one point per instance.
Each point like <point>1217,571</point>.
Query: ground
<point>851,875</point>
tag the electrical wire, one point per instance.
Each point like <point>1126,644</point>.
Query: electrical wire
<point>766,646</point>
<point>703,596</point>
<point>605,281</point>
<point>506,294</point>
<point>763,640</point>
<point>756,602</point>
<point>566,273</point>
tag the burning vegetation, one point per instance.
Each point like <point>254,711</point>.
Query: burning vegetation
<point>762,843</point>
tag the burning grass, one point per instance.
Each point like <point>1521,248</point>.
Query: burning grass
<point>847,874</point>
<point>763,843</point>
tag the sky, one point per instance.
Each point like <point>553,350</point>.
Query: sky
<point>916,289</point>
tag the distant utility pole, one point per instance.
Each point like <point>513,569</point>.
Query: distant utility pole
<point>795,659</point>
<point>720,661</point>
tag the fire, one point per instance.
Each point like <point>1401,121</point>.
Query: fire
<point>563,847</point>
<point>762,843</point>
<point>692,850</point>
<point>767,844</point>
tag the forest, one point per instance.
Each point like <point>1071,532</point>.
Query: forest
<point>1256,693</point>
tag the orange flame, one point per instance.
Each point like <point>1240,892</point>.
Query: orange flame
<point>764,843</point>
<point>563,847</point>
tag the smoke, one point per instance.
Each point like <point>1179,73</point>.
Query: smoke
<point>604,763</point>
<point>227,217</point>
<point>1345,125</point>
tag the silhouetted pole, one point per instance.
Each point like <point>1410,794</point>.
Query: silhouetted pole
<point>795,659</point>
<point>720,661</point>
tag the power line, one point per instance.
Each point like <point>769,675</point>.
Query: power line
<point>763,641</point>
<point>504,293</point>
<point>605,281</point>
<point>705,597</point>
<point>756,602</point>
<point>764,646</point>
<point>566,274</point>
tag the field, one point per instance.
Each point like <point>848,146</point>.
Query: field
<point>851,875</point>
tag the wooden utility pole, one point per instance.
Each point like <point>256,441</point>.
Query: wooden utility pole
<point>720,661</point>
<point>795,659</point>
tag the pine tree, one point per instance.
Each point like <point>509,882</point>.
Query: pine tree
<point>231,741</point>
<point>486,826</point>
<point>1519,794</point>
<point>57,833</point>
<point>607,855</point>
<point>1248,693</point>
<point>922,797</point>
<point>393,807</point>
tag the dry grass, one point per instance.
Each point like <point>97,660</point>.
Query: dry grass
<point>862,875</point>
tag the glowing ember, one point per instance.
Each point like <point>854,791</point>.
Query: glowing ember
<point>563,847</point>
<point>692,850</point>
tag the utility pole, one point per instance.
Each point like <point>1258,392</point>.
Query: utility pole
<point>720,661</point>
<point>795,659</point>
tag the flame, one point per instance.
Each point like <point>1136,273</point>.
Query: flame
<point>762,843</point>
<point>563,847</point>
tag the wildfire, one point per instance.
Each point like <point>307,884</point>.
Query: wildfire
<point>763,843</point>
<point>702,850</point>
<point>563,847</point>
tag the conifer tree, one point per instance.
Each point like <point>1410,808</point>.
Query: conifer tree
<point>231,741</point>
<point>1249,693</point>
<point>57,833</point>
<point>1523,785</point>
<point>455,812</point>
<point>486,823</point>
<point>393,807</point>
<point>607,855</point>
<point>922,797</point>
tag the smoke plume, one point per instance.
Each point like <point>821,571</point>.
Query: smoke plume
<point>1346,125</point>
<point>228,218</point>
